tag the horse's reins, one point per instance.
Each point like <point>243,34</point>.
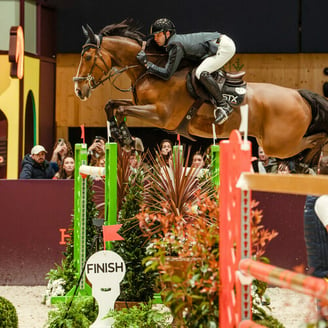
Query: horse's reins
<point>111,72</point>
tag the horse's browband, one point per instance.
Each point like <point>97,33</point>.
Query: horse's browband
<point>89,45</point>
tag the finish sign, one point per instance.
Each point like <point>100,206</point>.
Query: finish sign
<point>105,270</point>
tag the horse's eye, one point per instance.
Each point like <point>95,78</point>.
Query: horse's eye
<point>88,58</point>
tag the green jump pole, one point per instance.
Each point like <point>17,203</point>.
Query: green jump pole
<point>110,185</point>
<point>215,164</point>
<point>80,207</point>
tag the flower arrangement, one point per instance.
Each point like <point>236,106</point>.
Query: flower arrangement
<point>180,217</point>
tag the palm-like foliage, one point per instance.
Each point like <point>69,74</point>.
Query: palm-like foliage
<point>172,189</point>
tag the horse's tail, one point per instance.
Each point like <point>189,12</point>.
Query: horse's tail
<point>312,156</point>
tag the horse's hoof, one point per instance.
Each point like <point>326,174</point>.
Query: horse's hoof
<point>138,144</point>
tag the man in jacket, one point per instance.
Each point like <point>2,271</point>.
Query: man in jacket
<point>35,165</point>
<point>212,50</point>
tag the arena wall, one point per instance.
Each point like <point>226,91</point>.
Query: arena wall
<point>305,71</point>
<point>33,211</point>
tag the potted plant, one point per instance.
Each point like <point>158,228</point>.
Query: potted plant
<point>169,211</point>
<point>180,218</point>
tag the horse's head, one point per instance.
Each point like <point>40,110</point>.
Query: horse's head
<point>95,64</point>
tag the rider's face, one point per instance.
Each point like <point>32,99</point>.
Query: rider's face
<point>160,38</point>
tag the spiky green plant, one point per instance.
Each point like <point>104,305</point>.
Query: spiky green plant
<point>171,189</point>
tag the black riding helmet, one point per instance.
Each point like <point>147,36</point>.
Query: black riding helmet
<point>162,25</point>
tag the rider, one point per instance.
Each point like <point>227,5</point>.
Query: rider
<point>212,49</point>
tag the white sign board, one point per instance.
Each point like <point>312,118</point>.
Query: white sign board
<point>105,270</point>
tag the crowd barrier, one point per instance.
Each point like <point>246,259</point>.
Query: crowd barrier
<point>34,217</point>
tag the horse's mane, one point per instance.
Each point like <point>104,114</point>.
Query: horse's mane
<point>128,28</point>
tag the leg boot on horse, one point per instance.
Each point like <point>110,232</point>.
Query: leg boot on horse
<point>223,109</point>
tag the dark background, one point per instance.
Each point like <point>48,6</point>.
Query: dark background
<point>257,26</point>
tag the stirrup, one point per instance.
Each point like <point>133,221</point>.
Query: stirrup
<point>220,117</point>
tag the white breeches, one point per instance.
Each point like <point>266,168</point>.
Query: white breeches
<point>226,50</point>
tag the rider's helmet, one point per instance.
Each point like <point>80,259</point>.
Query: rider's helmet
<point>162,25</point>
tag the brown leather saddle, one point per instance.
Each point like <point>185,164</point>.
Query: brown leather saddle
<point>232,86</point>
<point>233,89</point>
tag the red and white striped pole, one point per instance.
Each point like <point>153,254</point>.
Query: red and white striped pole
<point>283,278</point>
<point>235,239</point>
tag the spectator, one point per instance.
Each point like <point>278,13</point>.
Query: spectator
<point>265,164</point>
<point>166,147</point>
<point>96,150</point>
<point>283,168</point>
<point>62,149</point>
<point>198,160</point>
<point>67,169</point>
<point>101,161</point>
<point>35,166</point>
<point>315,229</point>
<point>316,235</point>
<point>133,160</point>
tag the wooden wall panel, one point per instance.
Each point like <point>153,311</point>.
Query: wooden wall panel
<point>290,70</point>
<point>70,111</point>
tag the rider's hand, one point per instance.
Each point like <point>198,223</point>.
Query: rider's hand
<point>142,58</point>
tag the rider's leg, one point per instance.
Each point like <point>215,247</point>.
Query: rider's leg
<point>222,109</point>
<point>226,50</point>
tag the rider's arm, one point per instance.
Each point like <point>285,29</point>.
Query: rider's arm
<point>175,56</point>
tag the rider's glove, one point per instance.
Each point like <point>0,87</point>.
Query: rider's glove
<point>142,58</point>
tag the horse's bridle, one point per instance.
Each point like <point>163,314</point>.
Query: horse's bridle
<point>108,75</point>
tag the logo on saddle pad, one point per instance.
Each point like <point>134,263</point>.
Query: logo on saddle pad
<point>235,95</point>
<point>232,86</point>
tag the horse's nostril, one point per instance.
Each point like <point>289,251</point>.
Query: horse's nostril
<point>78,92</point>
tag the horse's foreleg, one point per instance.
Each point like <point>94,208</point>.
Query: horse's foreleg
<point>118,128</point>
<point>112,106</point>
<point>150,113</point>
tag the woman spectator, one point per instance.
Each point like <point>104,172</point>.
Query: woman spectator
<point>62,149</point>
<point>166,147</point>
<point>198,160</point>
<point>96,150</point>
<point>67,169</point>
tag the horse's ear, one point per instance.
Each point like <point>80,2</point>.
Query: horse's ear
<point>91,35</point>
<point>85,32</point>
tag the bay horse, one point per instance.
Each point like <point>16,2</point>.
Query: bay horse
<point>281,119</point>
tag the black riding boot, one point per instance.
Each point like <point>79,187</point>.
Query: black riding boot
<point>223,109</point>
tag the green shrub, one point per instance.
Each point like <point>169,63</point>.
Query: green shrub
<point>142,316</point>
<point>80,314</point>
<point>8,314</point>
